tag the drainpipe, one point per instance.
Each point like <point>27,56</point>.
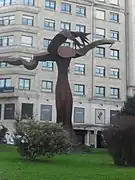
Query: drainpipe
<point>92,33</point>
<point>127,44</point>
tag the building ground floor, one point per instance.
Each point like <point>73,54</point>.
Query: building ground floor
<point>90,135</point>
<point>89,117</point>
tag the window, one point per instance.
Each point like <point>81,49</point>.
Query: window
<point>6,40</point>
<point>100,14</point>
<point>49,24</point>
<point>7,2</point>
<point>114,17</point>
<point>100,91</point>
<point>3,64</point>
<point>114,2</point>
<point>114,35</point>
<point>47,86</point>
<point>24,84</point>
<point>5,82</point>
<point>114,73</point>
<point>26,40</point>
<point>29,2</point>
<point>113,115</point>
<point>65,25</point>
<point>27,111</point>
<point>79,115</point>
<point>50,4</point>
<point>47,65</point>
<point>100,51</point>
<point>46,112</point>
<point>66,44</point>
<point>46,42</point>
<point>80,68</point>
<point>79,89</point>
<point>27,20</point>
<point>9,110</point>
<point>7,20</point>
<point>80,11</point>
<point>80,28</point>
<point>114,92</point>
<point>100,71</point>
<point>100,33</point>
<point>65,7</point>
<point>114,54</point>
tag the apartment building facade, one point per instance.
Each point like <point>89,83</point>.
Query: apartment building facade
<point>98,80</point>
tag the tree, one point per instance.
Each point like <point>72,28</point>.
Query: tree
<point>129,107</point>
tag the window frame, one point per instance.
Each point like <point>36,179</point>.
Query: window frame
<point>100,94</point>
<point>115,57</point>
<point>100,68</point>
<point>65,9</point>
<point>5,82</point>
<point>79,67</point>
<point>24,87</point>
<point>103,11</point>
<point>51,5</point>
<point>79,10</point>
<point>49,21</point>
<point>113,94</point>
<point>46,89</point>
<point>78,92</point>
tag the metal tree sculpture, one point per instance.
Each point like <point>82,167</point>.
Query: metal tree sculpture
<point>62,55</point>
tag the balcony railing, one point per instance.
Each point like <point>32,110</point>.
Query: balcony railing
<point>6,89</point>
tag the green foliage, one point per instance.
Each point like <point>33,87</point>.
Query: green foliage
<point>3,131</point>
<point>129,107</point>
<point>74,167</point>
<point>40,139</point>
<point>120,141</point>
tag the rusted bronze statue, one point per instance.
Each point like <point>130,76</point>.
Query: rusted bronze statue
<point>62,55</point>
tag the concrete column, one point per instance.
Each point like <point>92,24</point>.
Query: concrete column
<point>95,136</point>
<point>91,139</point>
<point>2,112</point>
<point>87,138</point>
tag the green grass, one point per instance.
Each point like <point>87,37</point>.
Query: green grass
<point>95,166</point>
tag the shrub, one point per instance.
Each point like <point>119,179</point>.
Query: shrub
<point>129,107</point>
<point>35,139</point>
<point>120,141</point>
<point>3,131</point>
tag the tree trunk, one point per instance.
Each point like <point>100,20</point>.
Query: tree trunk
<point>64,100</point>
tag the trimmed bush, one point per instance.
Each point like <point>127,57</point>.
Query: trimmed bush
<point>35,139</point>
<point>120,140</point>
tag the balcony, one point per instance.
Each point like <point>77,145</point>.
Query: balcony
<point>19,7</point>
<point>6,89</point>
<point>6,92</point>
<point>17,49</point>
<point>18,27</point>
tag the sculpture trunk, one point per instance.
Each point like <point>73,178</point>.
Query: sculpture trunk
<point>64,100</point>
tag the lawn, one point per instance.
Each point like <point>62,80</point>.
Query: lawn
<point>94,166</point>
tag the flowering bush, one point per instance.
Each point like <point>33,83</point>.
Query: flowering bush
<point>40,139</point>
